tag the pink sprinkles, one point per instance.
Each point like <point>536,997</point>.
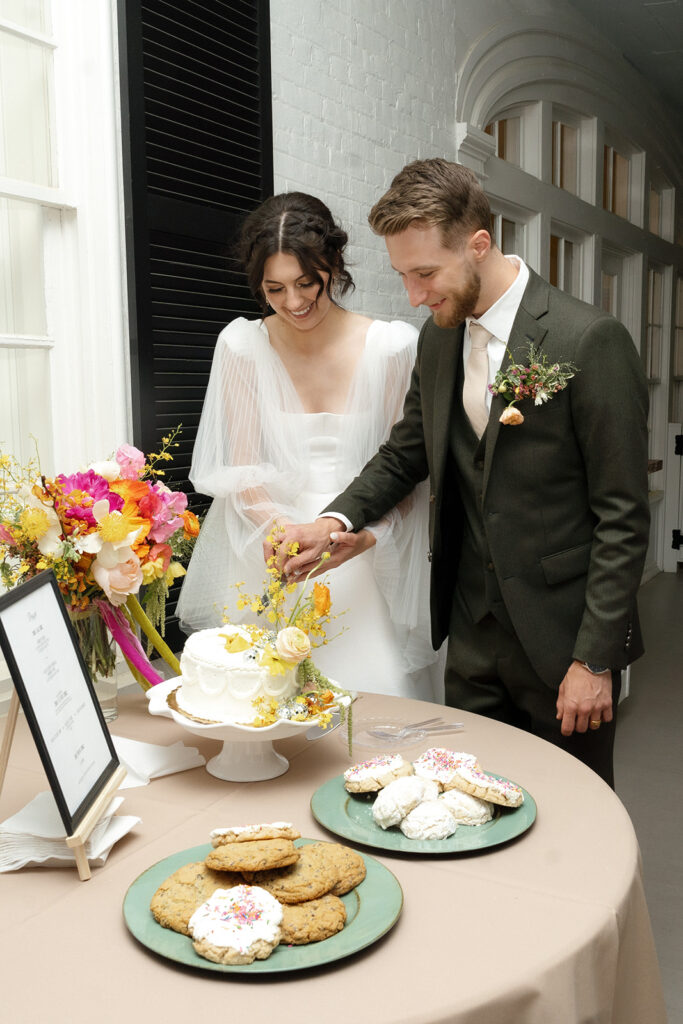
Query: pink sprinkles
<point>442,760</point>
<point>241,909</point>
<point>381,761</point>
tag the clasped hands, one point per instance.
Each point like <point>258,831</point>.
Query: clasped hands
<point>313,540</point>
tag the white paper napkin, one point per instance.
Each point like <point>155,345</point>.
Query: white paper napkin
<point>36,835</point>
<point>145,761</point>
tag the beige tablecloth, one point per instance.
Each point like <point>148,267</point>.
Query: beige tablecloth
<point>551,928</point>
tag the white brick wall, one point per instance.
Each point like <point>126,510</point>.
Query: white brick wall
<point>360,88</point>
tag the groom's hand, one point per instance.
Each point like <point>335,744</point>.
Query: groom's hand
<point>584,698</point>
<point>312,540</point>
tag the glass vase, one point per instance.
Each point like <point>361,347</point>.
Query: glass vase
<point>99,652</point>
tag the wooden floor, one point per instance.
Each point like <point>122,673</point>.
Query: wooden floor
<point>649,772</point>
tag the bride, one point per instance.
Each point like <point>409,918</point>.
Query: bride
<point>297,403</point>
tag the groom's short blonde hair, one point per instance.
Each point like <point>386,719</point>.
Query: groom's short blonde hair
<point>433,192</point>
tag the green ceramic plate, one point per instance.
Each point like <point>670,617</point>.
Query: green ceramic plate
<point>350,815</point>
<point>372,908</point>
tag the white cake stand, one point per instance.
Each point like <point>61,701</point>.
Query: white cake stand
<point>247,754</point>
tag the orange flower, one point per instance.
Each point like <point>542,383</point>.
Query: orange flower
<point>321,599</point>
<point>130,490</point>
<point>511,417</point>
<point>190,524</point>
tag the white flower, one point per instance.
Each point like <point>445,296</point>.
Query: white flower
<point>108,469</point>
<point>292,644</point>
<point>541,397</point>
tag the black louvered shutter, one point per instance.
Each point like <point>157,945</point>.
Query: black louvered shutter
<point>197,156</point>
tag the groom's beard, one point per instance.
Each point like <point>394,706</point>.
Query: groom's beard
<point>461,303</point>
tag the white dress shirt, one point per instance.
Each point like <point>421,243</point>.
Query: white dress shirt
<point>498,320</point>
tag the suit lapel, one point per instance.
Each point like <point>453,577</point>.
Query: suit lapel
<point>526,330</point>
<point>450,351</point>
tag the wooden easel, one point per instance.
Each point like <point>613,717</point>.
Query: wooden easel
<point>77,841</point>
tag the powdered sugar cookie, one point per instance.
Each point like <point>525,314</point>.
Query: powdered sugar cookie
<point>237,926</point>
<point>439,764</point>
<point>399,797</point>
<point>472,779</point>
<point>467,809</point>
<point>245,833</point>
<point>429,820</point>
<point>369,776</point>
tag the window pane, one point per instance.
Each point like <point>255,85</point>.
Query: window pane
<point>655,211</point>
<point>609,293</point>
<point>24,403</point>
<point>568,273</point>
<point>620,169</point>
<point>556,154</point>
<point>31,14</point>
<point>607,178</point>
<point>22,285</point>
<point>569,158</point>
<point>509,140</point>
<point>511,237</point>
<point>26,110</point>
<point>554,260</point>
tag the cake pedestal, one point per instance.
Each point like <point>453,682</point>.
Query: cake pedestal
<point>247,754</point>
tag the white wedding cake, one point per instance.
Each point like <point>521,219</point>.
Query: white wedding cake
<point>225,669</point>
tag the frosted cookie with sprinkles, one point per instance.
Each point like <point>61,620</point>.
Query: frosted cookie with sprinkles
<point>440,764</point>
<point>400,797</point>
<point>429,820</point>
<point>472,779</point>
<point>467,809</point>
<point>246,833</point>
<point>237,925</point>
<point>372,775</point>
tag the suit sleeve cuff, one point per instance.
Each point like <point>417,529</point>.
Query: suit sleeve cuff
<point>337,515</point>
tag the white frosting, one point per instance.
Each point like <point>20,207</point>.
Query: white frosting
<point>375,769</point>
<point>466,809</point>
<point>400,797</point>
<point>440,764</point>
<point>238,830</point>
<point>499,791</point>
<point>429,820</point>
<point>237,918</point>
<point>221,685</point>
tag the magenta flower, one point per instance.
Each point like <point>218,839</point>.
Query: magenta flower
<point>80,491</point>
<point>163,507</point>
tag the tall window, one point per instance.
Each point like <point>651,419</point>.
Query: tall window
<point>677,410</point>
<point>653,342</point>
<point>28,176</point>
<point>509,234</point>
<point>565,157</point>
<point>615,182</point>
<point>508,135</point>
<point>565,265</point>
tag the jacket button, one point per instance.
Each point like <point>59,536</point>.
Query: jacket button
<point>432,498</point>
<point>429,556</point>
<point>489,566</point>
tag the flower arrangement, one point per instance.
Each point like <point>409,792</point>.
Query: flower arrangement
<point>105,532</point>
<point>538,379</point>
<point>289,639</point>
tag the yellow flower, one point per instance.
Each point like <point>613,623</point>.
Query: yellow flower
<point>234,643</point>
<point>174,571</point>
<point>115,527</point>
<point>321,599</point>
<point>153,570</point>
<point>34,522</point>
<point>270,660</point>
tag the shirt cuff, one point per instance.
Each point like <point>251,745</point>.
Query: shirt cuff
<point>338,515</point>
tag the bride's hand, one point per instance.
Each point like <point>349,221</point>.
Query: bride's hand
<point>343,546</point>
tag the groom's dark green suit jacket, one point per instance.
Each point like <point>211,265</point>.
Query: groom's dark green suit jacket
<point>564,503</point>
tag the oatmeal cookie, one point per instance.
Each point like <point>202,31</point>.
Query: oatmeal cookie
<point>348,865</point>
<point>312,921</point>
<point>308,879</point>
<point>177,898</point>
<point>253,855</point>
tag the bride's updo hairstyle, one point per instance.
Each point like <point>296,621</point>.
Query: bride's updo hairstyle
<point>301,225</point>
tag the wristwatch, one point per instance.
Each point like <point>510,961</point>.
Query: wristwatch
<point>595,669</point>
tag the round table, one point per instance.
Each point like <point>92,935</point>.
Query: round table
<point>550,927</point>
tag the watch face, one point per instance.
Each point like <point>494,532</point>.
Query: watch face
<point>595,669</point>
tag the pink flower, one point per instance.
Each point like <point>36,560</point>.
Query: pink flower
<point>164,507</point>
<point>131,460</point>
<point>511,417</point>
<point>5,536</point>
<point>118,582</point>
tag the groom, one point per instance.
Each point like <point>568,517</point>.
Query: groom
<point>538,531</point>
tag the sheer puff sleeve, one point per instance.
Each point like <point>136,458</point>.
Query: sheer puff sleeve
<point>249,459</point>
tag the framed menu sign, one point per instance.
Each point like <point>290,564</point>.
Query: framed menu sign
<point>55,690</point>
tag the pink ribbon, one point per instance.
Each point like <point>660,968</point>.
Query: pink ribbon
<point>119,627</point>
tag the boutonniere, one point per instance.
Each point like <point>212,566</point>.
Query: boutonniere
<point>538,379</point>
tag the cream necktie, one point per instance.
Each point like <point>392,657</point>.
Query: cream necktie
<point>476,383</point>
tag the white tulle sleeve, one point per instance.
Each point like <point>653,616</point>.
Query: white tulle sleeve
<point>249,458</point>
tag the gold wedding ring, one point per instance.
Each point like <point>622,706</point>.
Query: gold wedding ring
<point>595,725</point>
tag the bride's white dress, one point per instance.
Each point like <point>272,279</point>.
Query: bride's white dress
<point>263,457</point>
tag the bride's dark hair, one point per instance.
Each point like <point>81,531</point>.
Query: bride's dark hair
<point>299,224</point>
